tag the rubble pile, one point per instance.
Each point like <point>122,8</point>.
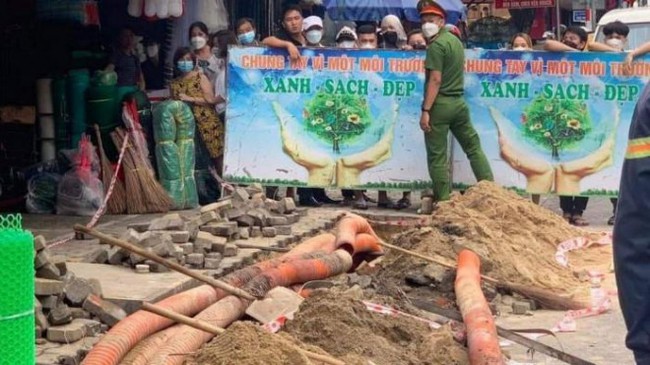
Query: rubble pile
<point>201,240</point>
<point>68,308</point>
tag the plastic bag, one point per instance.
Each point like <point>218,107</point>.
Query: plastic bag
<point>41,193</point>
<point>80,191</point>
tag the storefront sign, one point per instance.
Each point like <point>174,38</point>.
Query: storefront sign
<point>548,122</point>
<point>523,4</point>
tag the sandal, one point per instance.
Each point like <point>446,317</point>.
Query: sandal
<point>578,221</point>
<point>403,203</point>
<point>611,220</point>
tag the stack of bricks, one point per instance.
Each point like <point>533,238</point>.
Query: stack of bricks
<point>68,308</point>
<point>202,240</point>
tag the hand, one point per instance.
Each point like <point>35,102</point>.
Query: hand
<point>569,174</point>
<point>185,98</point>
<point>294,53</point>
<point>627,64</point>
<point>349,168</point>
<point>539,173</point>
<point>425,123</point>
<point>319,165</point>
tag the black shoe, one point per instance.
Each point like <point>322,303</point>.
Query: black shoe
<point>327,200</point>
<point>309,202</point>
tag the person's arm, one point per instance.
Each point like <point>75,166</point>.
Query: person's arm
<point>275,42</point>
<point>555,46</point>
<point>640,50</point>
<point>219,86</point>
<point>600,47</point>
<point>432,89</point>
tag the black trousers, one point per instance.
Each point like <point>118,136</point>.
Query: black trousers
<point>573,205</point>
<point>632,234</point>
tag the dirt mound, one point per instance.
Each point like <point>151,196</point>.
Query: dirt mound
<point>245,343</point>
<point>342,326</point>
<point>515,238</point>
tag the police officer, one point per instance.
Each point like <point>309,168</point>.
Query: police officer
<point>444,108</point>
<point>632,233</point>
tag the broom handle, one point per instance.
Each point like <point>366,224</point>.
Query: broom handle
<point>171,265</point>
<point>431,259</point>
<point>207,327</point>
<point>99,141</point>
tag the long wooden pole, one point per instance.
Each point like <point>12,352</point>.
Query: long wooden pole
<point>207,327</point>
<point>171,265</point>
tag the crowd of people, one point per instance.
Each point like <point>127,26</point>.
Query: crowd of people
<point>200,81</point>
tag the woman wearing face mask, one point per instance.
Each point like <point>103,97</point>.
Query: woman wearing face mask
<point>313,29</point>
<point>200,41</point>
<point>246,32</point>
<point>193,87</point>
<point>346,38</point>
<point>392,32</point>
<point>521,42</point>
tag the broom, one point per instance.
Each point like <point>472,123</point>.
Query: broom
<point>117,201</point>
<point>135,203</point>
<point>546,298</point>
<point>155,197</point>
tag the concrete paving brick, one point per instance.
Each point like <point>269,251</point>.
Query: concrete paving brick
<point>218,206</point>
<point>292,218</point>
<point>41,259</point>
<point>40,317</point>
<point>246,221</point>
<point>59,262</point>
<point>260,216</point>
<point>180,236</point>
<point>106,311</point>
<point>68,333</point>
<point>96,256</point>
<point>520,307</point>
<point>78,289</point>
<point>229,250</point>
<point>50,301</point>
<point>156,267</point>
<point>139,227</point>
<point>39,243</point>
<point>188,248</point>
<point>212,263</point>
<point>48,287</point>
<point>244,233</point>
<point>283,230</point>
<point>60,315</point>
<point>209,217</point>
<point>79,313</point>
<point>195,259</point>
<point>240,197</point>
<point>234,213</point>
<point>116,255</point>
<point>288,205</point>
<point>277,221</point>
<point>269,232</point>
<point>142,269</point>
<point>49,271</point>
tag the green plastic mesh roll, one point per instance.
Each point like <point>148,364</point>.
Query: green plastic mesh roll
<point>17,326</point>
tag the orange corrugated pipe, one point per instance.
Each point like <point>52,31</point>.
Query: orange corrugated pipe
<point>347,230</point>
<point>127,333</point>
<point>482,338</point>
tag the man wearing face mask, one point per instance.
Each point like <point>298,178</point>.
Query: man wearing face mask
<point>313,30</point>
<point>346,38</point>
<point>367,37</point>
<point>444,108</point>
<point>575,39</point>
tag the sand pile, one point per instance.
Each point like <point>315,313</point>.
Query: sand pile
<point>342,326</point>
<point>515,238</point>
<point>245,343</point>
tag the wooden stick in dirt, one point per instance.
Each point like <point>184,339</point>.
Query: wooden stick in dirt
<point>546,298</point>
<point>507,334</point>
<point>263,248</point>
<point>171,265</point>
<point>207,327</point>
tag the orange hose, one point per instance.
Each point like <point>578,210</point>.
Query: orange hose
<point>144,351</point>
<point>482,339</point>
<point>231,308</point>
<point>346,235</point>
<point>141,324</point>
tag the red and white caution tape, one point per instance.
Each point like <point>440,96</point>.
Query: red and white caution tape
<point>604,238</point>
<point>102,208</point>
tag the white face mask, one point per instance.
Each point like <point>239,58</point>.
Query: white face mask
<point>314,36</point>
<point>346,44</point>
<point>430,30</point>
<point>198,42</point>
<point>615,43</point>
<point>519,48</point>
<point>367,46</point>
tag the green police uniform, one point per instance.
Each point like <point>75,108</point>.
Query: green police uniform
<point>450,113</point>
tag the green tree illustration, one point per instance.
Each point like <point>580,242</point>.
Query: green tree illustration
<point>337,118</point>
<point>556,124</point>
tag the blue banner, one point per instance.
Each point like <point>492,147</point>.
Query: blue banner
<point>548,122</point>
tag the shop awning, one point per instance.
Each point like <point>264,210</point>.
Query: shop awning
<point>375,10</point>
